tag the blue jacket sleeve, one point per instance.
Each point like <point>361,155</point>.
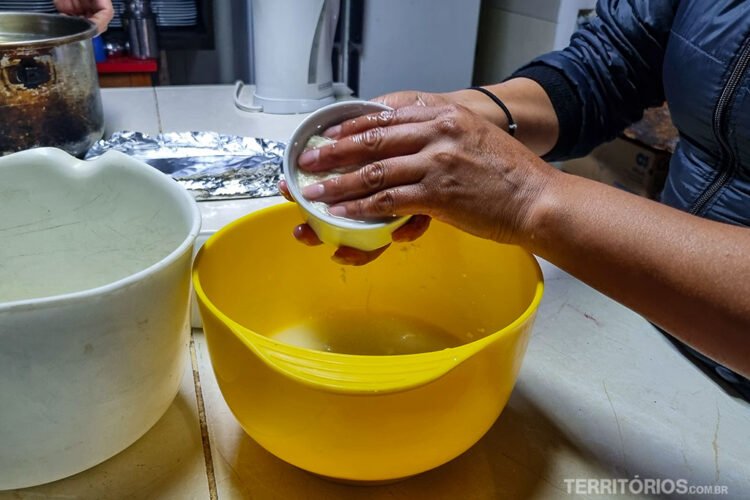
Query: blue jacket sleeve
<point>612,71</point>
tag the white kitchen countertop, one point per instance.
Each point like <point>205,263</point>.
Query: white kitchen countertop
<point>601,393</point>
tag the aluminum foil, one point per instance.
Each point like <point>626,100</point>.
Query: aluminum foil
<point>209,165</point>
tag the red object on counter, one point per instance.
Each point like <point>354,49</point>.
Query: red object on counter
<point>127,72</point>
<point>127,65</point>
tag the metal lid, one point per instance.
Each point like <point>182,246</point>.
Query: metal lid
<point>21,29</point>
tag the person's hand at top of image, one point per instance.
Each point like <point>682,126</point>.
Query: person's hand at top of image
<point>100,12</point>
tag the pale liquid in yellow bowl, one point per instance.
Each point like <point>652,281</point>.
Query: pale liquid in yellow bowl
<point>367,334</point>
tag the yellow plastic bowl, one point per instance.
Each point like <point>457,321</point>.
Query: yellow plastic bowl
<point>359,417</point>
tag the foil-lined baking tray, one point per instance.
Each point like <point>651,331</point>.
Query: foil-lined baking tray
<point>208,164</point>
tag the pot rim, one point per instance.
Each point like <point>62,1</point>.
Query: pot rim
<point>133,165</point>
<point>81,29</point>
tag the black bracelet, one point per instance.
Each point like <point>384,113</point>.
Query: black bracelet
<point>512,125</point>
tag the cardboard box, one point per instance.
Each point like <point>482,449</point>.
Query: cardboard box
<point>624,164</point>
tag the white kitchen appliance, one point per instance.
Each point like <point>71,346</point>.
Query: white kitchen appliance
<point>292,49</point>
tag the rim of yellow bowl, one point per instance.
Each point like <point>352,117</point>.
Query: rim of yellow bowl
<point>378,374</point>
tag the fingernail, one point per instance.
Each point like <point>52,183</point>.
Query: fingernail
<point>313,191</point>
<point>308,157</point>
<point>339,260</point>
<point>333,132</point>
<point>337,211</point>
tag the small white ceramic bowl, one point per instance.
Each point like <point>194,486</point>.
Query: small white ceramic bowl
<point>94,299</point>
<point>335,231</point>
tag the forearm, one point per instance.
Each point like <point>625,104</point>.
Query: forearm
<point>689,275</point>
<point>529,104</point>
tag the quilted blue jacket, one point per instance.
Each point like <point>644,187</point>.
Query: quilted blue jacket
<point>635,54</point>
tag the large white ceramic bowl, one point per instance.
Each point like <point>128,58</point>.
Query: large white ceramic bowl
<point>94,297</point>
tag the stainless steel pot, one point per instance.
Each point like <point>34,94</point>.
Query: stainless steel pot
<point>49,88</point>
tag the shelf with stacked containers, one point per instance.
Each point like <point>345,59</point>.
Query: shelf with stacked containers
<point>182,24</point>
